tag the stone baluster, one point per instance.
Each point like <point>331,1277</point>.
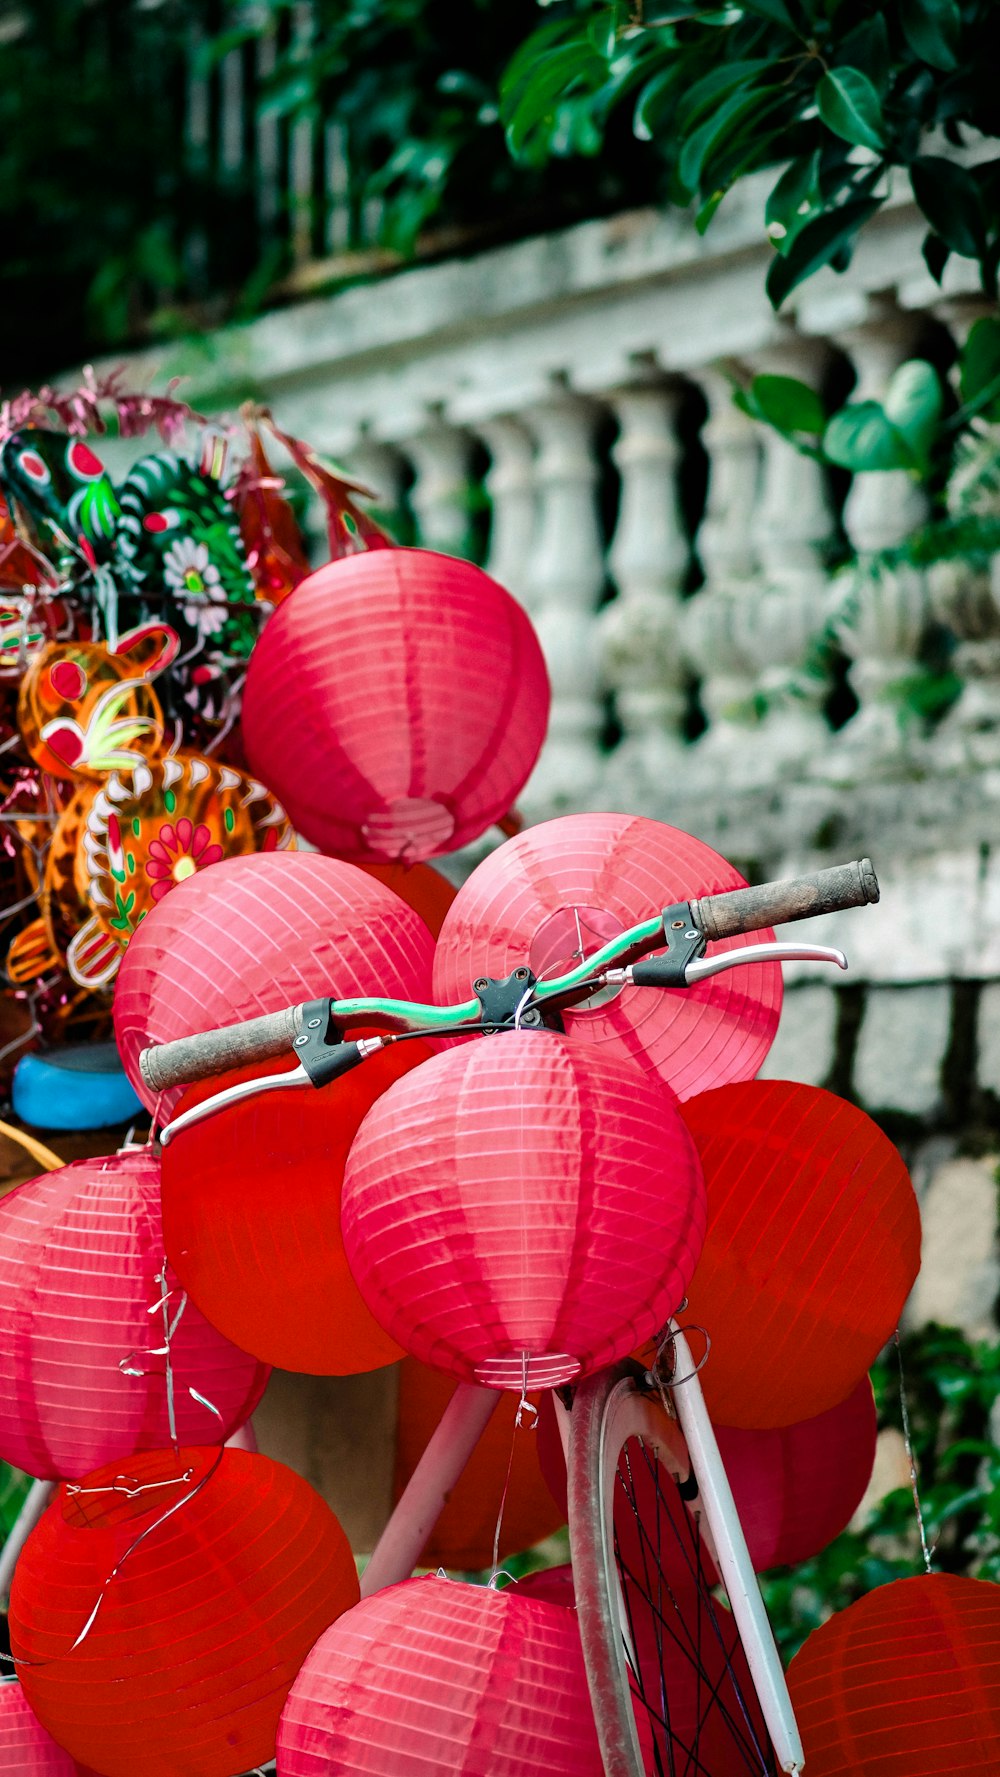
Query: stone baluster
<point>567,579</point>
<point>794,528</point>
<point>714,622</point>
<point>879,613</point>
<point>510,484</point>
<point>649,558</point>
<point>965,594</point>
<point>382,468</point>
<point>442,495</point>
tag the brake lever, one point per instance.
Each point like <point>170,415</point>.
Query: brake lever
<point>662,971</point>
<point>342,1057</point>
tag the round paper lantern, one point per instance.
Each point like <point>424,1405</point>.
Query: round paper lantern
<point>424,889</point>
<point>905,1683</point>
<point>212,1608</point>
<point>798,1486</point>
<point>255,934</point>
<point>395,704</point>
<point>560,890</point>
<point>81,1250</point>
<point>552,1585</point>
<point>26,1750</point>
<point>812,1248</point>
<point>462,1538</point>
<point>435,1675</point>
<point>522,1209</point>
<point>251,1218</point>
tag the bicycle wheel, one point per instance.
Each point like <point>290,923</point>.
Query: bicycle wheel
<point>669,1665</point>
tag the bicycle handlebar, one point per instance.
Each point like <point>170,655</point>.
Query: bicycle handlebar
<point>193,1058</point>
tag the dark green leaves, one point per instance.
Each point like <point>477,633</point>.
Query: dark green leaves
<point>790,406</point>
<point>850,107</point>
<point>979,373</point>
<point>897,433</point>
<point>817,243</point>
<point>949,197</point>
<point>932,29</point>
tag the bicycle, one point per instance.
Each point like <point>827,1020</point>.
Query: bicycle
<point>631,1435</point>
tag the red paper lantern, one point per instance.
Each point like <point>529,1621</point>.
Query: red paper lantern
<point>396,704</point>
<point>812,1248</point>
<point>251,1218</point>
<point>207,1618</point>
<point>905,1683</point>
<point>255,934</point>
<point>552,1585</point>
<point>26,1750</point>
<point>425,890</point>
<point>81,1250</point>
<point>561,890</point>
<point>434,1675</point>
<point>502,1472</point>
<point>798,1486</point>
<point>522,1209</point>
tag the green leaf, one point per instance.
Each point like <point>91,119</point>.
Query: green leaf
<point>860,437</point>
<point>867,48</point>
<point>775,10</point>
<point>816,243</point>
<point>936,254</point>
<point>980,363</point>
<point>849,106</point>
<point>949,197</point>
<point>708,209</point>
<point>788,405</point>
<point>713,86</point>
<point>558,71</point>
<point>653,102</point>
<point>795,188</point>
<point>932,29</point>
<point>913,404</point>
<point>709,136</point>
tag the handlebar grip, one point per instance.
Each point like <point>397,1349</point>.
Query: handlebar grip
<point>778,903</point>
<point>188,1059</point>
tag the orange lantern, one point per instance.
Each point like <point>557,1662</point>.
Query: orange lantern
<point>158,1641</point>
<point>421,886</point>
<point>463,1535</point>
<point>251,1207</point>
<point>905,1683</point>
<point>812,1248</point>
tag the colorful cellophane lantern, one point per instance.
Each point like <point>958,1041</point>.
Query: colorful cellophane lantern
<point>257,934</point>
<point>559,891</point>
<point>501,1480</point>
<point>84,1379</point>
<point>904,1683</point>
<point>812,1248</point>
<point>396,703</point>
<point>435,1675</point>
<point>205,1615</point>
<point>26,1750</point>
<point>251,1217</point>
<point>85,710</point>
<point>153,828</point>
<point>522,1209</point>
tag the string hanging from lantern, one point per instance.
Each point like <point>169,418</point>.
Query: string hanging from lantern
<point>927,1551</point>
<point>523,1406</point>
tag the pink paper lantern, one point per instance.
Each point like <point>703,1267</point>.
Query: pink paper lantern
<point>522,1209</point>
<point>436,1676</point>
<point>255,934</point>
<point>26,1750</point>
<point>564,888</point>
<point>80,1250</point>
<point>396,703</point>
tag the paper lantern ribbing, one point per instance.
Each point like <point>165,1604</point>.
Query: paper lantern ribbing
<point>26,1750</point>
<point>462,1538</point>
<point>80,1253</point>
<point>434,1675</point>
<point>812,1248</point>
<point>522,1209</point>
<point>188,1661</point>
<point>564,888</point>
<point>905,1683</point>
<point>255,934</point>
<point>251,1218</point>
<point>395,704</point>
<point>798,1486</point>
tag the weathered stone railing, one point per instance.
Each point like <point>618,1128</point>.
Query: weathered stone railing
<point>675,558</point>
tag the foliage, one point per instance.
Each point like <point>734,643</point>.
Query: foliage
<point>952,1387</point>
<point>915,427</point>
<point>835,93</point>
